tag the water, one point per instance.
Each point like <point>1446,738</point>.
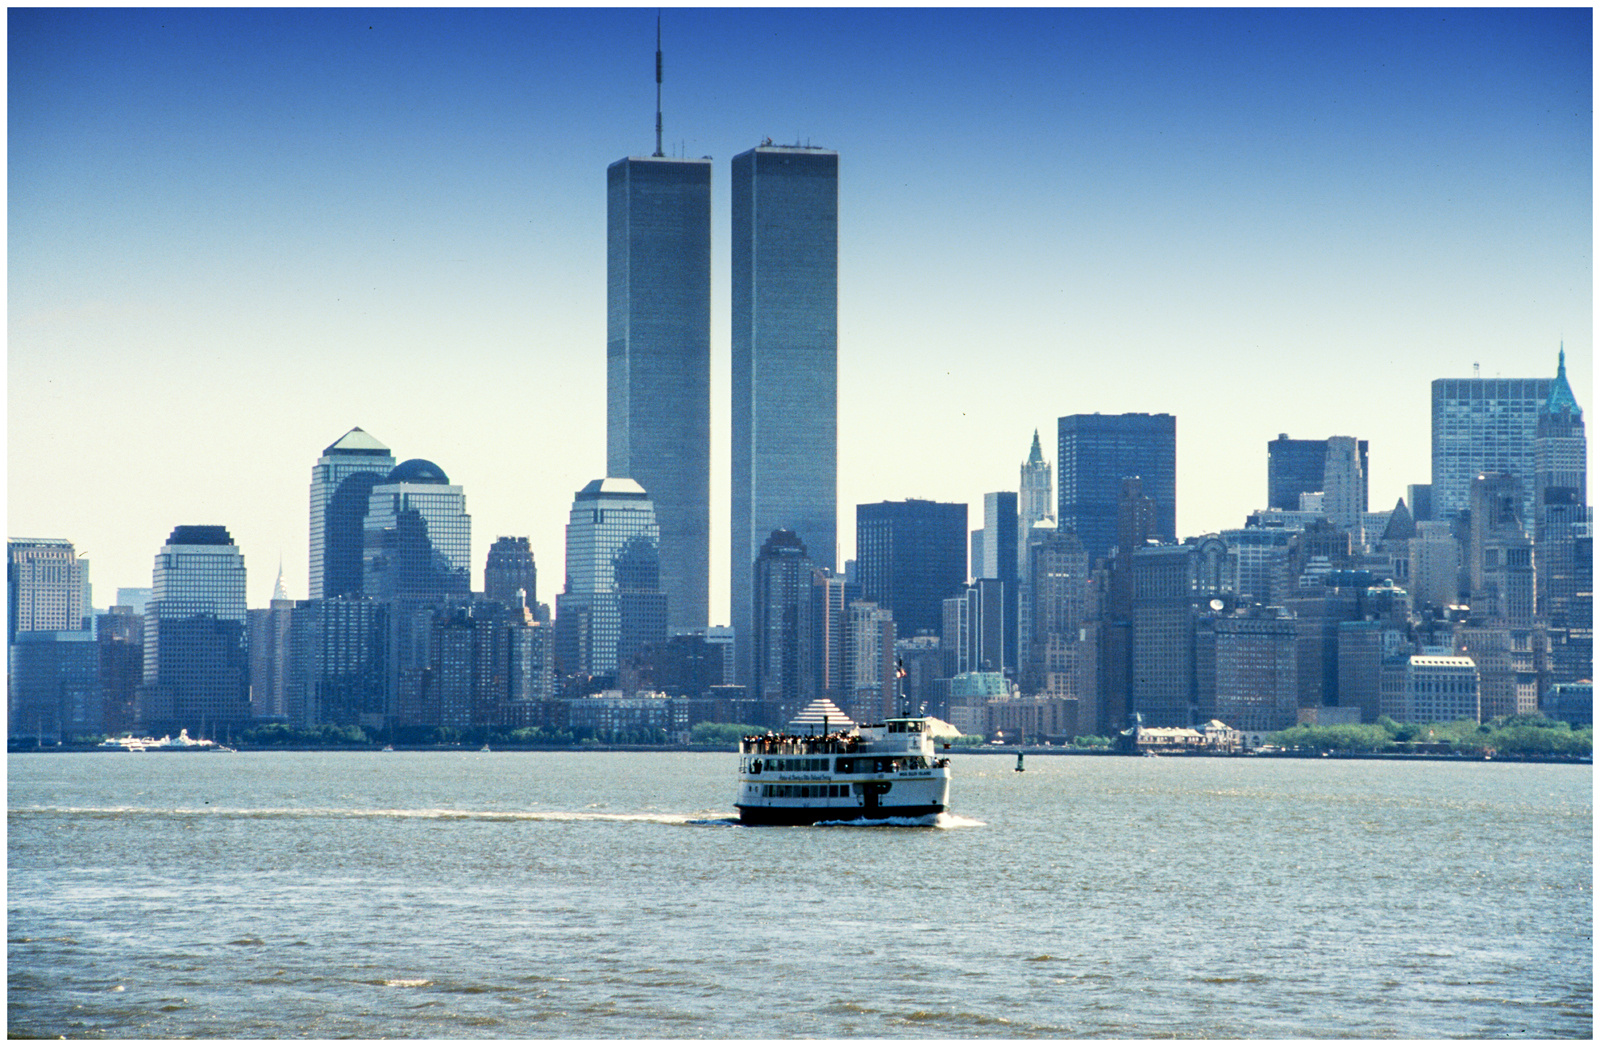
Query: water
<point>604,895</point>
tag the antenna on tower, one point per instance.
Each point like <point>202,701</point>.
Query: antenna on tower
<point>658,83</point>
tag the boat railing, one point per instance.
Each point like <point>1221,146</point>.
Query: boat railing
<point>799,744</point>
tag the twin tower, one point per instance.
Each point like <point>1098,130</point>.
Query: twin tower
<point>784,433</point>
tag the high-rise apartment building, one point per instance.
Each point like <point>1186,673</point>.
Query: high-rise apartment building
<point>1483,425</point>
<point>196,671</point>
<point>612,605</point>
<point>911,556</point>
<point>341,486</point>
<point>1096,453</point>
<point>785,263</point>
<point>658,360</point>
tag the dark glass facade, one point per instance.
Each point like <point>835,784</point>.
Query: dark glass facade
<point>341,485</point>
<point>1097,451</point>
<point>785,266</point>
<point>417,535</point>
<point>196,666</point>
<point>1295,467</point>
<point>910,556</point>
<point>658,361</point>
<point>785,648</point>
<point>612,606</point>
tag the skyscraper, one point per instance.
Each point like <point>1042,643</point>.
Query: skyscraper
<point>612,605</point>
<point>46,584</point>
<point>1500,564</point>
<point>1344,485</point>
<point>51,658</point>
<point>1296,467</point>
<point>270,632</point>
<point>1000,565</point>
<point>196,672</point>
<point>417,536</point>
<point>1483,425</point>
<point>1562,531</point>
<point>658,360</point>
<point>1034,503</point>
<point>869,662</point>
<point>341,484</point>
<point>508,570</point>
<point>785,262</point>
<point>911,556</point>
<point>784,636</point>
<point>1097,452</point>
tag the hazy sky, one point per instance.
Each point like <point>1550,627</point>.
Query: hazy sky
<point>235,234</point>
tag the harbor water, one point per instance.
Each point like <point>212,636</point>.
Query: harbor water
<point>599,895</point>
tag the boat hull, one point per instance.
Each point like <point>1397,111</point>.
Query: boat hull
<point>773,815</point>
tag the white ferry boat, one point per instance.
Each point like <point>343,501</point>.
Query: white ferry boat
<point>874,771</point>
<point>129,743</point>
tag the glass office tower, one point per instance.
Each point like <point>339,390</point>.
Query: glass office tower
<point>785,262</point>
<point>910,557</point>
<point>1096,452</point>
<point>1483,425</point>
<point>658,360</point>
<point>341,484</point>
<point>196,664</point>
<point>418,536</point>
<point>612,605</point>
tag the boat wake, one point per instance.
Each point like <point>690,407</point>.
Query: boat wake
<point>373,814</point>
<point>932,821</point>
<point>446,814</point>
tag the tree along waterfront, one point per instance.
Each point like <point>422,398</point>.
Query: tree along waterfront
<point>1526,734</point>
<point>1530,735</point>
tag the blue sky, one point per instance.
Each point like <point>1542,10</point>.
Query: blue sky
<point>234,234</point>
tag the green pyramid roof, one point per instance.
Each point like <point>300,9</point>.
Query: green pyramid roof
<point>1561,399</point>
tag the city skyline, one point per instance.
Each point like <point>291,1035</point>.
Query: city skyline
<point>235,235</point>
